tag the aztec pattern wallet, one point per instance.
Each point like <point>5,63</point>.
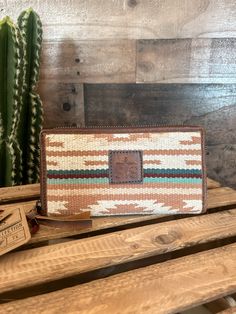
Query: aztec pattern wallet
<point>123,171</point>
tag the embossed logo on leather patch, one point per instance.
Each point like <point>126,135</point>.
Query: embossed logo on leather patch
<point>125,166</point>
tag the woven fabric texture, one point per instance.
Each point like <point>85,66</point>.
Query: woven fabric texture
<point>77,169</point>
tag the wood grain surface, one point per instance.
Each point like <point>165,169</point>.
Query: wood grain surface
<point>26,205</point>
<point>90,19</point>
<point>209,105</point>
<point>186,61</point>
<point>158,61</point>
<point>212,184</point>
<point>94,61</point>
<point>221,197</point>
<point>141,104</point>
<point>63,104</point>
<point>170,287</point>
<point>19,193</point>
<point>79,256</point>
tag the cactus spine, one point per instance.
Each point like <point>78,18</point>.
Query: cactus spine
<point>11,89</point>
<point>31,114</point>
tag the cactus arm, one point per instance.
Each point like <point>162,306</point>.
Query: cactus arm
<point>11,69</point>
<point>31,117</point>
<point>8,73</point>
<point>31,28</point>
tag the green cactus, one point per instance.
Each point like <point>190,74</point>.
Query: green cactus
<point>31,114</point>
<point>11,89</point>
<point>20,105</point>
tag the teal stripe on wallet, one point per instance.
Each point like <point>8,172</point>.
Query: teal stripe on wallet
<point>106,180</point>
<point>146,171</point>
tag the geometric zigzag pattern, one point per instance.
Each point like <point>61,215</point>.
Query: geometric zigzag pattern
<point>77,170</point>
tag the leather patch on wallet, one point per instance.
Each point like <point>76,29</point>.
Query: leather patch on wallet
<point>125,166</point>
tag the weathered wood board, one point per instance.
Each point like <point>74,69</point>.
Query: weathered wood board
<point>19,193</point>
<point>138,19</point>
<point>100,61</point>
<point>158,104</point>
<point>186,61</point>
<point>158,61</point>
<point>221,197</point>
<point>63,104</point>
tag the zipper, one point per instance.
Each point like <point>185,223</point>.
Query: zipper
<point>128,126</point>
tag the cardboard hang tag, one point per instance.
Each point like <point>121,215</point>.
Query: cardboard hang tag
<point>14,230</point>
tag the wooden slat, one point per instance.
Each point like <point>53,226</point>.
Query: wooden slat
<point>186,61</point>
<point>54,262</point>
<point>63,104</point>
<point>101,225</point>
<point>168,287</point>
<point>221,157</point>
<point>212,184</point>
<point>85,19</point>
<point>100,61</point>
<point>18,193</point>
<point>161,61</point>
<point>221,197</point>
<point>26,205</point>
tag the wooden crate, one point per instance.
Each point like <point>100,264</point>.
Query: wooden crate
<point>151,264</point>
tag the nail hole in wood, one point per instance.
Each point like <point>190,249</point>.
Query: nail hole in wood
<point>132,3</point>
<point>78,73</point>
<point>66,106</point>
<point>77,60</point>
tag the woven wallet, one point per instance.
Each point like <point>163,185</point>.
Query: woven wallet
<point>123,171</point>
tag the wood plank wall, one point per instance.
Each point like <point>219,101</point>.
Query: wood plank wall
<point>118,62</point>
